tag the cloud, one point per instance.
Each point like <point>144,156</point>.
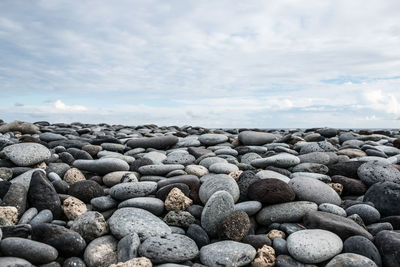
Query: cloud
<point>207,63</point>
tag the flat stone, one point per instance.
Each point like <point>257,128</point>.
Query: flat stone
<point>218,206</point>
<point>101,252</point>
<point>283,160</point>
<point>16,196</point>
<point>90,225</point>
<point>351,186</point>
<point>172,248</point>
<point>67,242</point>
<point>217,183</point>
<point>372,172</point>
<point>314,190</point>
<point>271,191</point>
<point>227,253</point>
<point>19,126</point>
<point>250,207</point>
<point>125,221</point>
<point>101,166</point>
<point>318,176</point>
<point>131,190</point>
<point>197,170</point>
<point>27,154</point>
<point>257,241</point>
<point>212,139</point>
<point>255,138</point>
<point>159,169</point>
<point>314,246</point>
<point>32,251</point>
<point>207,162</point>
<point>14,261</point>
<point>223,168</point>
<point>385,196</point>
<point>285,212</point>
<point>350,260</point>
<point>269,174</point>
<point>339,225</point>
<point>114,178</point>
<point>154,205</point>
<point>331,208</point>
<point>362,246</point>
<point>198,235</point>
<point>159,142</point>
<point>183,158</point>
<point>347,169</point>
<point>311,167</point>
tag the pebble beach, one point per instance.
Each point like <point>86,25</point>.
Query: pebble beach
<point>95,195</point>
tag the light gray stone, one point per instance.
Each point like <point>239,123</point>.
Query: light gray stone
<point>282,160</point>
<point>133,189</point>
<point>27,154</point>
<point>217,183</point>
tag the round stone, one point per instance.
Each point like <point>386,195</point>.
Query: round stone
<point>367,213</point>
<point>314,246</point>
<point>86,190</point>
<point>27,154</point>
<point>90,225</point>
<point>271,191</point>
<point>314,190</point>
<point>218,206</point>
<point>362,246</point>
<point>235,226</point>
<point>351,186</point>
<point>388,243</point>
<point>227,253</point>
<point>73,207</point>
<point>221,182</point>
<point>197,170</point>
<point>198,234</point>
<point>73,175</point>
<point>134,189</point>
<point>385,197</point>
<point>250,207</point>
<point>113,178</point>
<point>101,252</point>
<point>172,248</point>
<point>125,221</point>
<point>182,158</point>
<point>67,242</point>
<point>350,260</point>
<point>32,251</point>
<point>331,208</point>
<point>373,172</point>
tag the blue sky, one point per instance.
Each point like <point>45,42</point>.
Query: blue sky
<point>207,63</point>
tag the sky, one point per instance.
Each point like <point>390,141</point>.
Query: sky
<point>261,64</point>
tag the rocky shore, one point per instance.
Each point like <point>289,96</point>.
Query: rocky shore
<point>113,195</point>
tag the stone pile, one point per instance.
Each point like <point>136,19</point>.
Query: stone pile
<point>113,195</point>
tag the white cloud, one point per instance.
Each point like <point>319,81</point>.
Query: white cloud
<point>61,106</point>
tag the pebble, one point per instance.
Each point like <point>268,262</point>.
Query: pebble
<point>283,160</point>
<point>235,226</point>
<point>101,252</point>
<point>73,207</point>
<point>172,248</point>
<point>177,200</point>
<point>44,216</point>
<point>159,169</point>
<point>197,170</point>
<point>257,241</point>
<point>270,191</point>
<point>16,196</point>
<point>25,178</point>
<point>362,246</point>
<point>388,243</point>
<point>268,174</point>
<point>90,225</point>
<point>221,182</point>
<point>73,175</point>
<point>125,221</point>
<point>223,168</point>
<point>42,194</point>
<point>350,260</point>
<point>86,190</point>
<point>285,212</point>
<point>134,189</point>
<point>159,142</point>
<point>32,251</point>
<point>154,205</point>
<point>67,242</point>
<point>339,225</point>
<point>218,206</point>
<point>198,235</point>
<point>114,178</point>
<point>265,257</point>
<point>351,186</point>
<point>27,154</point>
<point>314,246</point>
<point>28,216</point>
<point>14,261</point>
<point>128,247</point>
<point>367,213</point>
<point>373,172</point>
<point>212,139</point>
<point>227,253</point>
<point>8,215</point>
<point>385,197</point>
<point>314,190</point>
<point>331,208</point>
<point>101,166</point>
<point>179,218</point>
<point>250,207</point>
<point>251,138</point>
